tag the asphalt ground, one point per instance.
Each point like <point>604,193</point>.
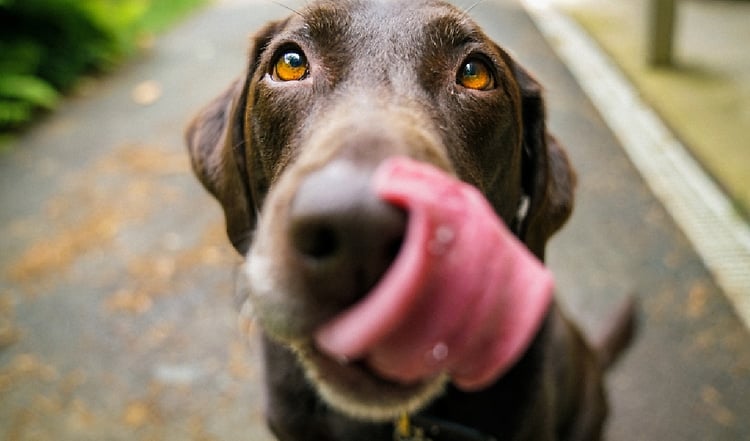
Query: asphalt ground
<point>117,308</point>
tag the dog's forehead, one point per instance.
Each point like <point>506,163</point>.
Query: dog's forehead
<point>375,24</point>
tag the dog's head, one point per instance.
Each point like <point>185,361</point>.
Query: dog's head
<point>330,93</point>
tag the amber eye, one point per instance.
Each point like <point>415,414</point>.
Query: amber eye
<point>290,66</point>
<point>474,74</point>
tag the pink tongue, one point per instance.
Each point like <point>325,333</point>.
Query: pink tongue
<point>464,296</point>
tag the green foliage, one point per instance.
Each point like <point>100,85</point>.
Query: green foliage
<point>46,45</point>
<point>162,13</point>
<point>20,95</point>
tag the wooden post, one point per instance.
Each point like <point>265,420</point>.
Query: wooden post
<point>662,25</point>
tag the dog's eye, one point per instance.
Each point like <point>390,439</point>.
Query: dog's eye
<point>475,74</point>
<point>290,66</point>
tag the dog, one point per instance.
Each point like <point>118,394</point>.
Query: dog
<point>330,94</point>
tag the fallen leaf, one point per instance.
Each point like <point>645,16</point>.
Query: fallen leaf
<point>147,92</point>
<point>137,414</point>
<point>697,299</point>
<point>9,334</point>
<point>57,252</point>
<point>82,417</point>
<point>713,400</point>
<point>134,302</point>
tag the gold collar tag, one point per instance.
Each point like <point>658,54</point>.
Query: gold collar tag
<point>403,430</point>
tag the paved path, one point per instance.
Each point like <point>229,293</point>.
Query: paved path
<point>117,314</point>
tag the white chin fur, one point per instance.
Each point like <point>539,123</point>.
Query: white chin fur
<point>357,393</point>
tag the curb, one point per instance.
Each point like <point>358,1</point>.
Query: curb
<point>699,207</point>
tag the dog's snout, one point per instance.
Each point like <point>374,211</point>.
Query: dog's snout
<point>344,237</point>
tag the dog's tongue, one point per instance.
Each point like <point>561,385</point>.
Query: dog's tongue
<point>464,296</point>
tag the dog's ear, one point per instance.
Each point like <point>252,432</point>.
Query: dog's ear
<point>548,178</point>
<point>218,145</point>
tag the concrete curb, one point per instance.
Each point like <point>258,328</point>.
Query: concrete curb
<point>699,207</point>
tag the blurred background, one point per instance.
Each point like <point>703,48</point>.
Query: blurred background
<point>118,288</point>
<point>51,47</point>
<point>688,61</point>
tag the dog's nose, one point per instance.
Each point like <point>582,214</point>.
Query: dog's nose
<point>344,237</point>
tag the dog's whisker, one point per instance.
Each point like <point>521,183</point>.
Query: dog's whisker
<point>239,144</point>
<point>469,9</point>
<point>288,8</point>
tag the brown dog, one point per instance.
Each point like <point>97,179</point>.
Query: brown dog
<point>289,151</point>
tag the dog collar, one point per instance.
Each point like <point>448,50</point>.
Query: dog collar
<point>426,428</point>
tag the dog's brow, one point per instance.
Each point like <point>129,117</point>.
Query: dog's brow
<point>450,31</point>
<point>325,23</point>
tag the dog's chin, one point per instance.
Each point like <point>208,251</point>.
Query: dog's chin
<point>354,390</point>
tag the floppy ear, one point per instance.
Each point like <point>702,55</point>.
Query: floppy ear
<point>548,178</point>
<point>218,145</point>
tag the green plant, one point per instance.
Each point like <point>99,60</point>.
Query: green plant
<point>46,45</point>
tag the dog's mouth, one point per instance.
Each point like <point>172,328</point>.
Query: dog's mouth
<point>354,388</point>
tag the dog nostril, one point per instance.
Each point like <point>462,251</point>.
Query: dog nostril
<point>316,241</point>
